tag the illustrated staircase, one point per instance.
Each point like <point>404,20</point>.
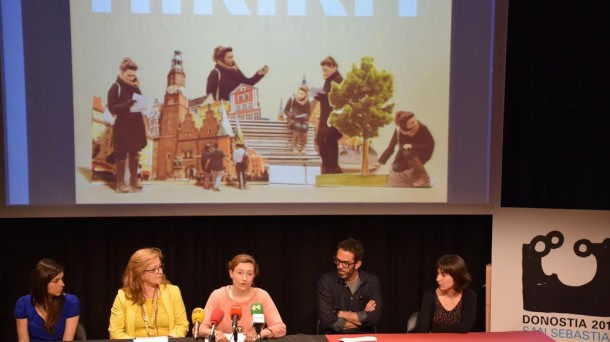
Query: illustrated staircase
<point>273,141</point>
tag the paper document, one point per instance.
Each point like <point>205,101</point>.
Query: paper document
<point>152,339</point>
<point>358,339</point>
<point>313,92</point>
<point>240,337</point>
<point>143,104</point>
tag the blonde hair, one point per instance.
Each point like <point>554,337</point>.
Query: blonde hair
<point>132,276</point>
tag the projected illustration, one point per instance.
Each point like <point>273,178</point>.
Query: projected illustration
<point>181,132</point>
<point>281,103</point>
<point>546,293</point>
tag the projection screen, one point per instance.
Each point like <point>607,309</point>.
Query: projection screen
<point>60,59</point>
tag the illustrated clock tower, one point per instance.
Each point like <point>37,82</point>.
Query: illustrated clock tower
<point>176,77</point>
<point>173,112</point>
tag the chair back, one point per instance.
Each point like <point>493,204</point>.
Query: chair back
<point>81,333</point>
<point>412,321</point>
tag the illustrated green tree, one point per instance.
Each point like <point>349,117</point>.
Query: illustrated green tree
<point>361,104</point>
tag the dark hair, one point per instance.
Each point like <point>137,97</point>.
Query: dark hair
<point>455,266</point>
<point>220,52</point>
<point>354,246</point>
<point>329,61</point>
<point>44,272</point>
<point>402,117</point>
<point>242,258</point>
<point>128,64</point>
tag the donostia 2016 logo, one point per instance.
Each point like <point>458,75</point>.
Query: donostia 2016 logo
<point>546,293</point>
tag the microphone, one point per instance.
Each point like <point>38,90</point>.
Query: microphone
<point>215,319</point>
<point>236,316</point>
<point>258,319</point>
<point>197,318</point>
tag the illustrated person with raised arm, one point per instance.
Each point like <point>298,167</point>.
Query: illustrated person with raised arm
<point>148,304</point>
<point>297,111</point>
<point>349,299</point>
<point>226,75</point>
<point>452,306</point>
<point>129,133</point>
<point>47,313</point>
<point>328,136</point>
<point>242,293</point>
<point>415,147</point>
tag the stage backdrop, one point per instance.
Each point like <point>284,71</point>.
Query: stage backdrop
<point>551,272</point>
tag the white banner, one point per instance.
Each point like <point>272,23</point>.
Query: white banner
<point>551,272</point>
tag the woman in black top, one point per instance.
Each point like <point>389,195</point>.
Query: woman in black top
<point>129,133</point>
<point>451,307</point>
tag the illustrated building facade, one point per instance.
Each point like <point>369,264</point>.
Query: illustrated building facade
<point>178,129</point>
<point>186,126</point>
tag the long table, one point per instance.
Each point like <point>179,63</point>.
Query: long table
<point>510,336</point>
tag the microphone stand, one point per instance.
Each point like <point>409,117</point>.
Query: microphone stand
<point>235,334</point>
<point>258,329</point>
<point>196,335</point>
<point>234,329</point>
<point>212,337</point>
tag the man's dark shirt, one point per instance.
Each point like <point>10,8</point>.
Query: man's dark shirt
<point>334,295</point>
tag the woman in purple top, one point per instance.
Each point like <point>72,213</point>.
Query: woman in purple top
<point>47,313</point>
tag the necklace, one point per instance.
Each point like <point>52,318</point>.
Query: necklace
<point>155,307</point>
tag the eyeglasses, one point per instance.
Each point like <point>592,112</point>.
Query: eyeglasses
<point>156,269</point>
<point>345,264</point>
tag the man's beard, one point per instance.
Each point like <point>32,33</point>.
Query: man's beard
<point>347,274</point>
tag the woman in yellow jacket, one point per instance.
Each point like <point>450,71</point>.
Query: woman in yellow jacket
<point>147,304</point>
